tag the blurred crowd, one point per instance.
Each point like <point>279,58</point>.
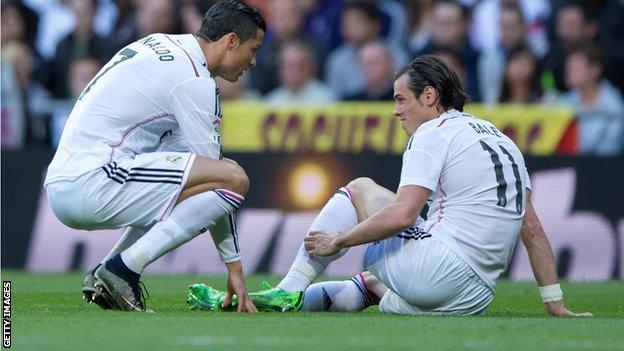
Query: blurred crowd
<point>320,51</point>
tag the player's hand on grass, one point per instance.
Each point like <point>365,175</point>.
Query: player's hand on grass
<point>557,308</point>
<point>319,243</point>
<point>236,286</point>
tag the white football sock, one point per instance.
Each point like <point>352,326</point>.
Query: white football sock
<point>336,296</point>
<point>188,219</point>
<point>129,237</point>
<point>337,216</point>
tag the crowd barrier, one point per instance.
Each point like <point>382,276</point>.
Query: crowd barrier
<point>579,201</point>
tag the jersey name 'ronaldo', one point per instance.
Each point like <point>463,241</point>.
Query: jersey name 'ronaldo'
<point>156,94</point>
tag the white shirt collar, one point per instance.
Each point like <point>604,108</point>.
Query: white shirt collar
<point>189,43</point>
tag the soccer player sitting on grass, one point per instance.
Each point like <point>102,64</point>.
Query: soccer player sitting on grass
<point>142,150</point>
<point>475,182</point>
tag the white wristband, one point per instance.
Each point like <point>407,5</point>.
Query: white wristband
<point>551,293</point>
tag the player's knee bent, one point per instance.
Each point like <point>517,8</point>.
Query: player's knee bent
<point>238,181</point>
<point>360,185</point>
<point>375,286</point>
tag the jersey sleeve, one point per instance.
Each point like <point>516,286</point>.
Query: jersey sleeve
<point>424,159</point>
<point>528,179</point>
<point>194,102</point>
<point>225,238</point>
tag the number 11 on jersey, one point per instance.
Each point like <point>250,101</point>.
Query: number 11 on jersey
<point>501,189</point>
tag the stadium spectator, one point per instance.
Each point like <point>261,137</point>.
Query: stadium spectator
<point>394,21</point>
<point>17,40</point>
<point>485,31</point>
<point>323,20</point>
<point>123,31</point>
<point>82,42</point>
<point>191,12</point>
<point>611,31</point>
<point>19,24</point>
<point>521,83</point>
<point>377,65</point>
<point>492,61</point>
<point>57,20</point>
<point>153,16</point>
<point>297,74</point>
<point>236,91</point>
<point>286,24</point>
<point>573,28</point>
<point>598,106</point>
<point>157,16</point>
<point>450,30</point>
<point>361,22</point>
<point>420,23</point>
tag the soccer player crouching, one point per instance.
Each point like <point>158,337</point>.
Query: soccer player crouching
<point>142,150</point>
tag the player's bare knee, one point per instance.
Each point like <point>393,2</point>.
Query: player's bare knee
<point>238,181</point>
<point>360,185</point>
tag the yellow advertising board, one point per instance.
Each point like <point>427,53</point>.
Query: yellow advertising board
<point>362,126</point>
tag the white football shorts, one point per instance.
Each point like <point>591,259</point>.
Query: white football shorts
<point>424,276</point>
<point>130,191</point>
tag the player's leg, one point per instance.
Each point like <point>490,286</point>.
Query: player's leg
<point>129,237</point>
<point>350,295</point>
<point>424,276</point>
<point>208,174</point>
<point>349,206</point>
<point>213,189</point>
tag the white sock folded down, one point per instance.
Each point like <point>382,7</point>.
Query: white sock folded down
<point>337,296</point>
<point>337,216</point>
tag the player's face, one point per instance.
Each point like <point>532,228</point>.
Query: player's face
<point>241,56</point>
<point>408,108</point>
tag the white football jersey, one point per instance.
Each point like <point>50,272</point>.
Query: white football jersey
<point>478,179</point>
<point>155,94</point>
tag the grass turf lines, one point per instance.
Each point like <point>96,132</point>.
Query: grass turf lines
<point>48,314</point>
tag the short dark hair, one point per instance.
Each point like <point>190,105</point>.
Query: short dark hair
<point>579,5</point>
<point>535,84</point>
<point>465,11</point>
<point>231,16</point>
<point>368,8</point>
<point>514,8</point>
<point>300,44</point>
<point>592,53</point>
<point>428,70</point>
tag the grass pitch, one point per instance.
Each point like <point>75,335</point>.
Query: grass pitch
<point>48,314</point>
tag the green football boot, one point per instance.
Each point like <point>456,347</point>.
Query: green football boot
<point>276,299</point>
<point>204,297</point>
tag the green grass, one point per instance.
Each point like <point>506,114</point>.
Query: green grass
<point>49,315</point>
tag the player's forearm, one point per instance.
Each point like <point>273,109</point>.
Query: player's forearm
<point>235,268</point>
<point>385,223</point>
<point>541,258</point>
<point>538,248</point>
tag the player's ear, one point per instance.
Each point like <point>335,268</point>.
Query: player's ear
<point>431,95</point>
<point>232,40</point>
